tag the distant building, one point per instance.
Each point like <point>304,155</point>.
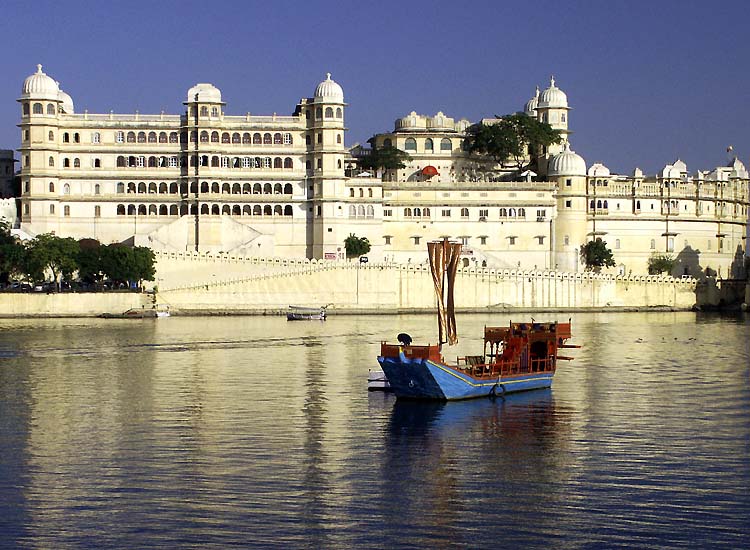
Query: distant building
<point>7,172</point>
<point>287,186</point>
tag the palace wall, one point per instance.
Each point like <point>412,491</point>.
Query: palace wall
<point>202,283</point>
<point>69,304</point>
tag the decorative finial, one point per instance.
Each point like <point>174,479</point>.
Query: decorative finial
<point>328,76</point>
<point>552,81</point>
<point>39,68</point>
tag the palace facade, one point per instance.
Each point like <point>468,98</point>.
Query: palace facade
<point>287,186</point>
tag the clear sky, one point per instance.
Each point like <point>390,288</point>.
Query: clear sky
<point>648,81</point>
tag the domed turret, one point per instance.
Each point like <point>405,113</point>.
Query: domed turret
<point>598,170</point>
<point>566,163</point>
<point>530,108</point>
<point>66,103</point>
<point>39,86</point>
<point>553,97</point>
<point>329,90</point>
<point>204,93</point>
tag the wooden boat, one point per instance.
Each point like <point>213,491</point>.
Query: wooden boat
<point>298,313</point>
<point>156,312</point>
<point>519,357</point>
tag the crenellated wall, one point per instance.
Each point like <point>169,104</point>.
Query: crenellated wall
<point>204,283</point>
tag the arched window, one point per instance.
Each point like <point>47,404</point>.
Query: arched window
<point>266,162</point>
<point>162,188</point>
<point>163,210</point>
<point>225,188</point>
<point>173,138</point>
<point>66,163</point>
<point>246,139</point>
<point>51,136</point>
<point>66,137</point>
<point>287,210</point>
<point>511,212</point>
<point>426,213</point>
<point>214,111</point>
<point>257,138</point>
<point>162,137</point>
<point>592,205</point>
<point>352,210</point>
<point>257,211</point>
<point>351,192</point>
<point>361,211</point>
<point>51,187</point>
<point>288,189</point>
<point>267,190</point>
<point>417,212</point>
<point>236,210</point>
<point>236,189</point>
<point>215,187</point>
<point>236,138</point>
<point>131,187</point>
<point>173,188</point>
<point>246,189</point>
<point>503,212</point>
<point>225,137</point>
<point>173,210</point>
<point>51,208</point>
<point>52,161</point>
<point>288,163</point>
<point>25,109</point>
<point>277,189</point>
<point>465,212</point>
<point>141,187</point>
<point>277,162</point>
<point>410,144</point>
<point>267,139</point>
<point>97,189</point>
<point>445,144</point>
<point>50,109</point>
<point>204,111</point>
<point>141,137</point>
<point>338,138</point>
<point>277,211</point>
<point>257,189</point>
<point>338,112</point>
<point>277,139</point>
<point>521,212</point>
<point>76,163</point>
<point>152,137</point>
<point>653,244</point>
<point>606,205</point>
<point>142,210</point>
<point>152,187</point>
<point>215,210</point>
<point>329,112</point>
<point>38,109</point>
<point>152,210</point>
<point>215,161</point>
<point>319,112</point>
<point>387,142</point>
<point>194,136</point>
<point>428,145</point>
<point>204,136</point>
<point>407,212</point>
<point>599,203</point>
<point>120,209</point>
<point>131,210</point>
<point>369,192</point>
<point>287,139</point>
<point>96,137</point>
<point>225,209</point>
<point>246,210</point>
<point>152,162</point>
<point>97,211</point>
<point>370,211</point>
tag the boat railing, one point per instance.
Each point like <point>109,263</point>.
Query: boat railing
<point>475,366</point>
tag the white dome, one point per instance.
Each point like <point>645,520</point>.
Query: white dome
<point>329,89</point>
<point>66,102</point>
<point>598,170</point>
<point>553,97</point>
<point>566,163</point>
<point>39,86</point>
<point>530,108</point>
<point>205,93</point>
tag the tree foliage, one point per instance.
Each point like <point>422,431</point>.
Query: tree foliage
<point>12,255</point>
<point>596,255</point>
<point>661,263</point>
<point>511,137</point>
<point>356,246</point>
<point>386,158</point>
<point>56,254</point>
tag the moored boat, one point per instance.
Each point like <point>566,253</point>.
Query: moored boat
<point>298,313</point>
<point>519,357</point>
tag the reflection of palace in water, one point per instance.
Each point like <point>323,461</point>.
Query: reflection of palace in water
<point>287,186</point>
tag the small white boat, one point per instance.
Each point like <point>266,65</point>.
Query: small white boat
<point>376,381</point>
<point>298,313</point>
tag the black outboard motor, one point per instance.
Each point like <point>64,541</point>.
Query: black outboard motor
<point>404,339</point>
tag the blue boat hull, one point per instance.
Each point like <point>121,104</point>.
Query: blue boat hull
<point>425,379</point>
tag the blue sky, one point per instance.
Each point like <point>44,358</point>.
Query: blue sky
<point>648,81</point>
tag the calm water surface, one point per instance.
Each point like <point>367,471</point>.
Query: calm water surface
<point>251,431</point>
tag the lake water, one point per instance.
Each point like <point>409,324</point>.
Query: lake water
<point>252,431</point>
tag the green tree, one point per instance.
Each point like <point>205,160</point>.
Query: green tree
<point>56,254</point>
<point>90,261</point>
<point>356,246</point>
<point>143,264</point>
<point>12,255</point>
<point>386,158</point>
<point>511,137</point>
<point>661,263</point>
<point>596,255</point>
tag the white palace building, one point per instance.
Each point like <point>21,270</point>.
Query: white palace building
<point>288,186</point>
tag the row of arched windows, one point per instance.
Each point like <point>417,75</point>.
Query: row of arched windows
<point>329,112</point>
<point>416,212</point>
<point>361,192</point>
<point>361,211</point>
<point>215,161</point>
<point>205,187</point>
<point>38,109</point>
<point>205,209</point>
<point>245,138</point>
<point>143,137</point>
<point>599,204</point>
<point>429,145</point>
<point>512,212</point>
